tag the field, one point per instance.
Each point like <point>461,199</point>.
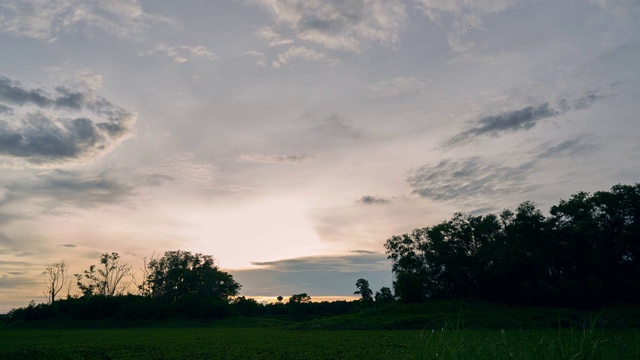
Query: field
<point>216,342</point>
<point>434,330</point>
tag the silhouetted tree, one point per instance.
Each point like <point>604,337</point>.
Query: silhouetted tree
<point>57,278</point>
<point>180,273</point>
<point>302,298</point>
<point>364,290</point>
<point>111,278</point>
<point>279,298</point>
<point>384,295</point>
<point>586,253</point>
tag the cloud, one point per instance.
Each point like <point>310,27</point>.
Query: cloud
<point>183,167</point>
<point>35,135</point>
<point>325,275</point>
<point>346,263</point>
<point>337,125</point>
<point>577,146</point>
<point>299,52</point>
<point>273,159</point>
<point>261,59</point>
<point>397,86</point>
<point>68,245</point>
<point>45,20</point>
<point>56,188</point>
<point>465,16</point>
<point>582,102</point>
<point>523,119</point>
<point>336,24</point>
<point>496,125</point>
<point>182,54</point>
<point>272,38</point>
<point>369,200</point>
<point>466,179</point>
<point>4,109</point>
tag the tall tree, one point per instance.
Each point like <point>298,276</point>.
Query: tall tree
<point>57,278</point>
<point>364,290</point>
<point>111,278</point>
<point>180,273</point>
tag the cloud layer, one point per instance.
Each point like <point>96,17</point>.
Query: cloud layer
<point>466,179</point>
<point>44,19</point>
<point>52,128</point>
<point>344,25</point>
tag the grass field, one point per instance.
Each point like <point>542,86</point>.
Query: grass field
<point>435,330</point>
<point>278,343</point>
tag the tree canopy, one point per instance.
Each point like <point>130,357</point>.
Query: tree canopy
<point>180,273</point>
<point>587,252</point>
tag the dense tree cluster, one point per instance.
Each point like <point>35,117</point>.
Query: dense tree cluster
<point>585,253</point>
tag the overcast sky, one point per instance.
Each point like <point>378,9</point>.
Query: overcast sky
<point>290,138</point>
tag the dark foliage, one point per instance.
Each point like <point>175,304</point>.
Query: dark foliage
<point>586,253</point>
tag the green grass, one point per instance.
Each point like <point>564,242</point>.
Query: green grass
<point>435,330</point>
<point>279,343</point>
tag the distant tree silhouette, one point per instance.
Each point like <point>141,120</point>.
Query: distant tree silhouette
<point>109,279</point>
<point>384,295</point>
<point>279,298</point>
<point>364,290</point>
<point>302,298</point>
<point>57,278</point>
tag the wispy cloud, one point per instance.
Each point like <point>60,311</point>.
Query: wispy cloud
<point>300,52</point>
<point>466,179</point>
<point>495,125</point>
<point>397,86</point>
<point>465,16</point>
<point>574,147</point>
<point>273,159</point>
<point>344,25</point>
<point>370,200</point>
<point>33,134</point>
<point>271,37</point>
<point>45,20</point>
<point>182,54</point>
<point>348,263</point>
<point>522,119</point>
<point>57,188</point>
<point>261,58</point>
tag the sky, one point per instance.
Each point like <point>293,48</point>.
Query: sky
<point>291,138</point>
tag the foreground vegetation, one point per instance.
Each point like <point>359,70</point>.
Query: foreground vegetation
<point>268,342</point>
<point>431,330</point>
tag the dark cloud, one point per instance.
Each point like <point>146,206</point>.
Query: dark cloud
<point>574,147</point>
<point>68,245</point>
<point>463,180</point>
<point>329,275</point>
<point>523,119</point>
<point>495,125</point>
<point>369,200</point>
<point>4,109</point>
<point>42,138</point>
<point>57,188</point>
<point>346,263</point>
<point>582,102</point>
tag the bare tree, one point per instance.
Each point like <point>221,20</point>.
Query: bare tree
<point>56,280</point>
<point>112,278</point>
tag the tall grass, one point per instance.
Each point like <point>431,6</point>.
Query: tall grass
<point>588,343</point>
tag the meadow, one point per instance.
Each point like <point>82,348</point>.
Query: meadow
<point>277,341</point>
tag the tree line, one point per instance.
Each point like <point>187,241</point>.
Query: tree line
<point>585,253</point>
<point>178,284</point>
